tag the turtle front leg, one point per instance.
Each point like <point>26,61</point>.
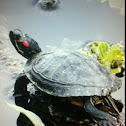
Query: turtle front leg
<point>20,91</point>
<point>103,119</point>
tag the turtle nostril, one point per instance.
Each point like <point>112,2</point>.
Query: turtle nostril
<point>11,31</point>
<point>11,34</point>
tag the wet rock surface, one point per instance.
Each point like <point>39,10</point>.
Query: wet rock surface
<point>55,111</point>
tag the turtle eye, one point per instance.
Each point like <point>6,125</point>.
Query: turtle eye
<point>25,44</point>
<point>19,40</point>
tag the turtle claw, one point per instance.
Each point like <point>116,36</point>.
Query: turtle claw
<point>105,123</point>
<point>93,124</point>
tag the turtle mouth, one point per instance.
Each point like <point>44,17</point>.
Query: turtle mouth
<point>12,37</point>
<point>15,36</point>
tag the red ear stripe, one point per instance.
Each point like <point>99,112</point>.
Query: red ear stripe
<point>25,44</point>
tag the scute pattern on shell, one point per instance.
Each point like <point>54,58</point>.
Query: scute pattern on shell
<point>72,74</point>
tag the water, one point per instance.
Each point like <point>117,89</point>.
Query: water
<point>71,24</point>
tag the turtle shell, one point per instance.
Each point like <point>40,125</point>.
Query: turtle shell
<point>65,74</point>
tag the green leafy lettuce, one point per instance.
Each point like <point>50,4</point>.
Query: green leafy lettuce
<point>111,57</point>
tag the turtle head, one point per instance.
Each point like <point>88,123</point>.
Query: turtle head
<point>24,44</point>
<point>49,4</point>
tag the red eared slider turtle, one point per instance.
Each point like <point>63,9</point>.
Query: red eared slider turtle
<point>63,73</point>
<point>48,4</point>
